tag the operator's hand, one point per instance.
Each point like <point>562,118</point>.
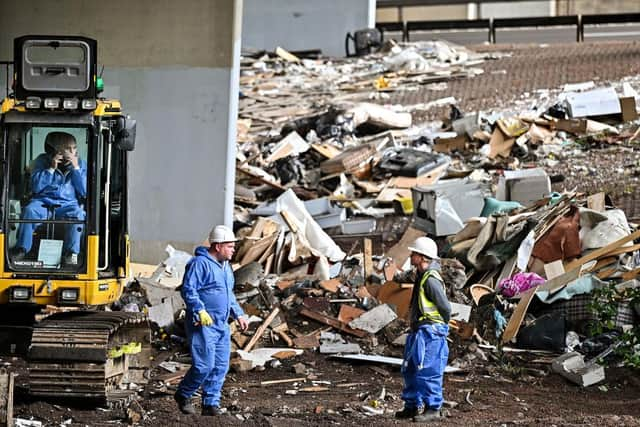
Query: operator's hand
<point>56,159</point>
<point>71,157</point>
<point>205,319</point>
<point>242,321</point>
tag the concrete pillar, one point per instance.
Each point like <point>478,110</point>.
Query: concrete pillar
<point>304,24</point>
<point>175,67</point>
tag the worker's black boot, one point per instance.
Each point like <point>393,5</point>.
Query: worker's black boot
<point>407,413</point>
<point>428,415</point>
<point>184,404</point>
<point>211,411</point>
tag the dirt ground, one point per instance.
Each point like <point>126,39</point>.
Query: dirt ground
<point>512,390</point>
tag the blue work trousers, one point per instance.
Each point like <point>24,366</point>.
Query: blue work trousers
<point>36,210</point>
<point>210,350</point>
<point>425,358</point>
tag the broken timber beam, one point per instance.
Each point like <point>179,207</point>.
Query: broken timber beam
<point>261,329</point>
<point>290,380</point>
<point>602,251</point>
<point>513,326</point>
<point>6,397</point>
<point>281,330</point>
<point>368,261</point>
<point>333,323</point>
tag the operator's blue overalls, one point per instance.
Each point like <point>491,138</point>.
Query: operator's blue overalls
<point>208,284</point>
<point>58,192</point>
<point>426,351</point>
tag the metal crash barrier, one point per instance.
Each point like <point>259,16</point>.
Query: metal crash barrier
<point>492,25</point>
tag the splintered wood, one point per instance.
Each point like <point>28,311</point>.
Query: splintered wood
<point>6,397</point>
<point>263,327</point>
<point>332,322</point>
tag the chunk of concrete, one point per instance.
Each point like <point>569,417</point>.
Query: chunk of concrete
<point>572,367</point>
<point>375,319</point>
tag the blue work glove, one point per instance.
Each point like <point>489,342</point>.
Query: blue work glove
<point>501,323</point>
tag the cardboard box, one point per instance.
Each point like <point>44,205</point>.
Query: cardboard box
<point>447,145</point>
<point>628,107</point>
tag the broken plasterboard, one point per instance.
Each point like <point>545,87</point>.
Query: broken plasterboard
<point>572,367</point>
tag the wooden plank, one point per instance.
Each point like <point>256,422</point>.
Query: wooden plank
<point>171,377</point>
<point>288,380</point>
<point>368,260</point>
<point>335,323</point>
<point>428,178</point>
<point>602,251</point>
<point>286,338</point>
<point>261,329</point>
<point>287,56</point>
<point>603,262</point>
<point>623,250</point>
<point>348,313</point>
<point>400,251</point>
<point>508,268</point>
<point>389,194</point>
<point>328,151</point>
<point>608,272</point>
<point>259,249</point>
<point>513,326</point>
<point>631,274</point>
<point>331,285</point>
<point>306,341</point>
<point>6,397</point>
<point>291,223</point>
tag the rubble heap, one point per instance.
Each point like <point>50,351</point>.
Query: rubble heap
<point>333,185</point>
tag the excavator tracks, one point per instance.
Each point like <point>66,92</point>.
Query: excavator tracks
<point>79,353</point>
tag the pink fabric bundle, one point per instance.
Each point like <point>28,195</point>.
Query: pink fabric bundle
<point>518,283</point>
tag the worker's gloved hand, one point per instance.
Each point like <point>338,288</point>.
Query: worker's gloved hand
<point>205,319</point>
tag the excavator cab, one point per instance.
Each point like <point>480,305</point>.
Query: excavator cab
<point>63,217</point>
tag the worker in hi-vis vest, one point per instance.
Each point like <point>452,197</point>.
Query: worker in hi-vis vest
<point>426,350</point>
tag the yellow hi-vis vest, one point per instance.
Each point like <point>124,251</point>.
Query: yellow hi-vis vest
<point>427,307</point>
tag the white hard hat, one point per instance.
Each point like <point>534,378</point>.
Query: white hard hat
<point>221,234</point>
<point>425,246</point>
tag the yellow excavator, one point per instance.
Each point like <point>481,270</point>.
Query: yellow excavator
<point>64,240</point>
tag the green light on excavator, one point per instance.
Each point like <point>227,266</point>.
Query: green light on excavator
<point>99,84</point>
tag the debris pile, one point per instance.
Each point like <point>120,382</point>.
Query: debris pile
<point>333,186</point>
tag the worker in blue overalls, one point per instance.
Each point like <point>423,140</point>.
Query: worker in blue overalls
<point>426,350</point>
<point>59,183</point>
<point>207,290</point>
